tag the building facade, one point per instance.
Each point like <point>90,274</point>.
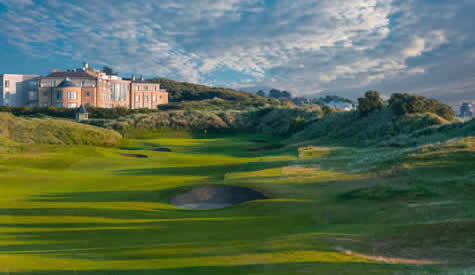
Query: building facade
<point>466,110</point>
<point>19,90</point>
<point>88,87</point>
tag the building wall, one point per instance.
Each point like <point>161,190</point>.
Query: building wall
<point>147,95</point>
<point>67,97</point>
<point>93,88</point>
<point>18,90</point>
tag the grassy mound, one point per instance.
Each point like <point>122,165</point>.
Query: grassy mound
<point>382,126</point>
<point>53,131</point>
<point>269,120</point>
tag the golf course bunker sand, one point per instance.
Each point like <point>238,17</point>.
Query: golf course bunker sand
<point>215,197</point>
<point>134,156</point>
<point>162,150</point>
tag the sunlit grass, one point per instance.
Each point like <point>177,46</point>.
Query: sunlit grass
<point>83,208</point>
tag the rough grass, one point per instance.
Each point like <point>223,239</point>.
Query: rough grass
<point>87,210</point>
<point>53,131</point>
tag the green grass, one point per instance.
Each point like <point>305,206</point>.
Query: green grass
<point>72,209</point>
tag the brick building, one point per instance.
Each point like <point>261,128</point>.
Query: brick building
<point>90,87</point>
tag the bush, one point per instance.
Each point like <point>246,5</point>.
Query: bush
<point>371,102</point>
<point>403,104</point>
<point>327,110</point>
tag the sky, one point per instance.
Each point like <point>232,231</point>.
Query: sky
<point>308,47</point>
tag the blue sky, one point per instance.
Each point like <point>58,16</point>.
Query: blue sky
<point>342,47</point>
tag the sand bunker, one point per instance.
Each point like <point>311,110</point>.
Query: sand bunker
<point>161,150</point>
<point>215,197</point>
<point>134,155</point>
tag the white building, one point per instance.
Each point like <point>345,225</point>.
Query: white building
<point>18,90</point>
<point>341,105</point>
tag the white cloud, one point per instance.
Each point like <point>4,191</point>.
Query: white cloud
<point>305,45</point>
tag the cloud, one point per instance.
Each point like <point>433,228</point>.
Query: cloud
<point>304,46</point>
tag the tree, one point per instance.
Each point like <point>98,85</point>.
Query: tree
<point>261,93</point>
<point>285,94</point>
<point>274,93</point>
<point>327,110</point>
<point>402,104</point>
<point>371,102</point>
<point>109,71</point>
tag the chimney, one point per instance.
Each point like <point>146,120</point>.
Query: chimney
<point>85,66</point>
<point>141,78</point>
<point>53,70</point>
<point>133,77</point>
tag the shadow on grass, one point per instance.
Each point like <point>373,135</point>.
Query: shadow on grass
<point>217,171</point>
<point>316,268</point>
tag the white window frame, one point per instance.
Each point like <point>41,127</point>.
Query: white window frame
<point>145,98</point>
<point>7,83</point>
<point>72,95</point>
<point>72,105</point>
<point>154,98</point>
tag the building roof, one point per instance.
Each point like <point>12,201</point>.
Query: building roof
<point>81,110</point>
<point>144,82</point>
<point>71,74</point>
<point>66,83</point>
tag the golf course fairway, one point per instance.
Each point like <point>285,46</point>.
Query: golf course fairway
<point>96,210</point>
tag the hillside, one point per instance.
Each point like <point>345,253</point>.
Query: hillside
<point>53,131</point>
<point>183,91</point>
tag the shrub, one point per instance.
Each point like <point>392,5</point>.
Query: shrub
<point>371,102</point>
<point>402,104</point>
<point>327,110</point>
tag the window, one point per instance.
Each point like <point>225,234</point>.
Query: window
<point>83,83</point>
<point>59,95</point>
<point>32,95</point>
<point>32,84</point>
<point>154,98</point>
<point>145,98</point>
<point>146,88</point>
<point>123,92</point>
<point>7,83</point>
<point>72,105</point>
<point>137,105</point>
<point>136,88</point>
<point>137,98</point>
<point>72,95</point>
<point>45,93</point>
<point>53,83</point>
<point>88,94</point>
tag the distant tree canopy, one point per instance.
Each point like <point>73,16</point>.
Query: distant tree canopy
<point>402,104</point>
<point>278,94</point>
<point>371,102</point>
<point>109,71</point>
<point>322,101</point>
<point>261,93</point>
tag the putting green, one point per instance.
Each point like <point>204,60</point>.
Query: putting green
<point>89,210</point>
